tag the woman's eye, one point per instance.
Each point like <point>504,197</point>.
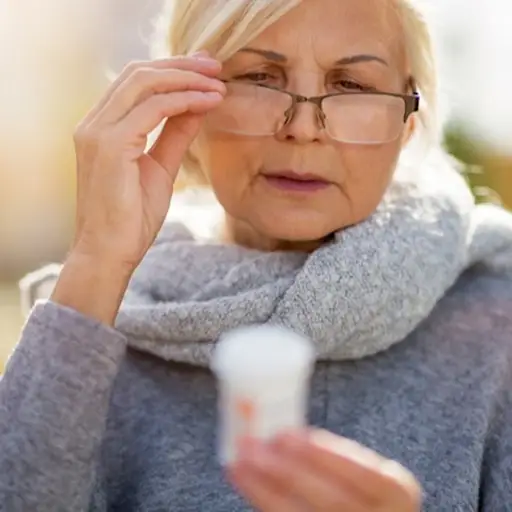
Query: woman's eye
<point>350,85</point>
<point>257,78</point>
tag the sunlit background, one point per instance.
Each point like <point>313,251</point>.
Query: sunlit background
<point>54,58</point>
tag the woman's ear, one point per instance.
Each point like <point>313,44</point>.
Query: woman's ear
<point>410,128</point>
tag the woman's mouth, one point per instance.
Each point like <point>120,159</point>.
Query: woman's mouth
<point>292,181</point>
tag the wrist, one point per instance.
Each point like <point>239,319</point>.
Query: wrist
<point>92,286</point>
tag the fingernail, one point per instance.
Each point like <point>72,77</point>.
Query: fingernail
<point>214,96</point>
<point>201,53</point>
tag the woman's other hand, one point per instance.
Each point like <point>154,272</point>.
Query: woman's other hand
<point>318,471</point>
<point>124,191</point>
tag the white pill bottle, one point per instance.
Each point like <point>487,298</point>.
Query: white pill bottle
<point>263,376</point>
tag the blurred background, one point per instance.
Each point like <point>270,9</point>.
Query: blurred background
<point>55,56</point>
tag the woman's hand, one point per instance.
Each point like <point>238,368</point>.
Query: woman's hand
<point>318,471</point>
<point>124,191</point>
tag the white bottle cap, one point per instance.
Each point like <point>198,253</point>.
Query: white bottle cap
<point>263,374</point>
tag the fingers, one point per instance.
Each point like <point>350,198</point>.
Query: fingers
<point>343,458</point>
<point>366,473</point>
<point>148,115</point>
<point>272,481</point>
<point>203,65</point>
<point>177,133</point>
<point>145,83</point>
<point>262,494</point>
<point>320,471</point>
<point>147,93</point>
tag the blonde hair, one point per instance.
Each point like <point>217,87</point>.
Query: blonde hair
<point>222,27</point>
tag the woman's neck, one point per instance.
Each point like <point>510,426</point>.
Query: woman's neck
<point>240,233</point>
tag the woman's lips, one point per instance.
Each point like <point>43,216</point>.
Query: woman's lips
<point>295,182</point>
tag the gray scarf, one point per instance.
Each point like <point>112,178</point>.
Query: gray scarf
<point>355,296</point>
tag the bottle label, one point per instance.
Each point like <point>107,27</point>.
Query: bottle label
<point>242,416</point>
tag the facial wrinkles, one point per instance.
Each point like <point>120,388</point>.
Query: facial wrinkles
<point>317,41</point>
<point>306,77</point>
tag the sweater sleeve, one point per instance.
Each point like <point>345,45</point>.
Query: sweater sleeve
<point>54,399</point>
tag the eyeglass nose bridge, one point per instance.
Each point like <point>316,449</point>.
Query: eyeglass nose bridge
<point>298,99</point>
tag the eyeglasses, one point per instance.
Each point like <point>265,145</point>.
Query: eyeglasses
<point>358,117</point>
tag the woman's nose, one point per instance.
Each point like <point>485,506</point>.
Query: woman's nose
<point>303,125</point>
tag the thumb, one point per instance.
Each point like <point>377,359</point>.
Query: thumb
<point>174,140</point>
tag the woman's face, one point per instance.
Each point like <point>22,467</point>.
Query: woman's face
<point>310,51</point>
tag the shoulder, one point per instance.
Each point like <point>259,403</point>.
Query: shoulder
<point>490,291</point>
<point>476,314</point>
<point>470,329</point>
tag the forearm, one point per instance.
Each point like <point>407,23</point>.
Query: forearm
<point>54,401</point>
<point>92,287</point>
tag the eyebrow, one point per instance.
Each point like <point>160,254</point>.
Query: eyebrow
<point>353,59</point>
<point>268,54</point>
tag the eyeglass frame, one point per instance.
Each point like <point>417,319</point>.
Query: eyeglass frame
<point>411,101</point>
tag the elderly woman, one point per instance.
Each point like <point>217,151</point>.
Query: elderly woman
<point>304,119</point>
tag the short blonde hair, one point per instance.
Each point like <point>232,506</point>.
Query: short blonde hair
<point>222,27</point>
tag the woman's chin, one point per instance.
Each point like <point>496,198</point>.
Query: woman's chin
<point>297,231</point>
<point>283,228</point>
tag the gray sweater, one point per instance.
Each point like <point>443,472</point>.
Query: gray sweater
<point>87,424</point>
